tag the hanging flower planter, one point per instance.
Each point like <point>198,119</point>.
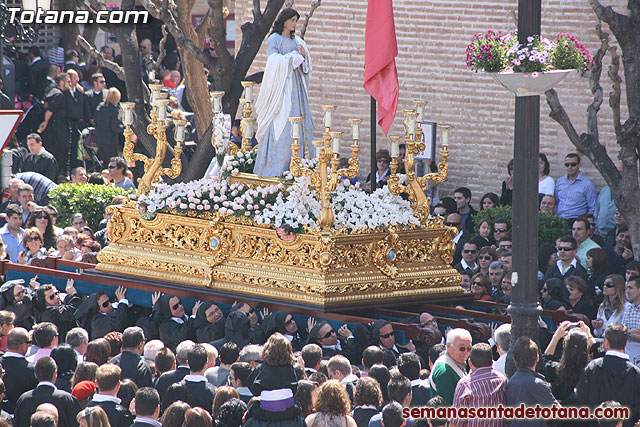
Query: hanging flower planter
<point>527,69</point>
<point>530,84</point>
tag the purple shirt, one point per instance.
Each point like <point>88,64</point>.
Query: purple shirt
<point>484,387</point>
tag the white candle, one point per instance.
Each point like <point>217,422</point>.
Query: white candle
<point>216,105</point>
<point>127,108</point>
<point>336,144</point>
<point>318,148</point>
<point>161,106</point>
<point>295,129</point>
<point>249,129</point>
<point>420,111</point>
<point>445,137</point>
<point>356,131</point>
<point>395,149</point>
<point>248,93</point>
<point>179,133</point>
<point>412,124</point>
<point>327,119</point>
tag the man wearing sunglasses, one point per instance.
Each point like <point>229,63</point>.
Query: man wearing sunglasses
<point>19,376</point>
<point>98,316</point>
<point>575,193</point>
<point>53,309</point>
<point>451,366</point>
<point>384,336</point>
<point>567,264</point>
<point>469,257</point>
<point>343,342</point>
<point>455,220</point>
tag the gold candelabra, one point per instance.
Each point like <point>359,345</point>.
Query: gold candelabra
<point>247,124</point>
<point>416,185</point>
<point>153,169</point>
<point>328,155</point>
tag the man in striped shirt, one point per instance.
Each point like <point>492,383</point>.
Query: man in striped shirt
<point>483,387</point>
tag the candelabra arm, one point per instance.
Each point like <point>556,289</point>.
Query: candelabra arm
<point>393,183</point>
<point>129,146</point>
<point>443,169</point>
<point>176,163</point>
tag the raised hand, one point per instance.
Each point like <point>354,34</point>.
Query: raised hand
<point>344,332</point>
<point>311,322</point>
<point>264,313</point>
<point>196,306</point>
<point>69,289</point>
<point>155,297</point>
<point>120,293</point>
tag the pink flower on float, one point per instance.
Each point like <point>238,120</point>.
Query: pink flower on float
<point>535,75</point>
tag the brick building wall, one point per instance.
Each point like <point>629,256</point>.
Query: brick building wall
<point>432,36</point>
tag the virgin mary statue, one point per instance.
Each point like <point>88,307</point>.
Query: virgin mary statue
<point>283,94</point>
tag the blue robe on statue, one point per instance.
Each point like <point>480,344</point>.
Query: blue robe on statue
<point>283,94</point>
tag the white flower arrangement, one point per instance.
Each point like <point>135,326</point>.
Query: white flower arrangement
<point>211,195</point>
<point>296,206</point>
<point>242,161</point>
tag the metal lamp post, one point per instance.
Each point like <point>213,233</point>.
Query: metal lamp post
<point>524,309</point>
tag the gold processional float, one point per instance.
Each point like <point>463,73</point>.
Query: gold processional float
<point>320,268</point>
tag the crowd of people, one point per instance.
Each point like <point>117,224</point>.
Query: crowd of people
<point>92,360</point>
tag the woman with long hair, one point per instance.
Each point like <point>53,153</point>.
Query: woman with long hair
<point>197,417</point>
<point>32,241</point>
<point>564,375</point>
<point>93,417</point>
<point>579,302</point>
<point>489,200</point>
<point>174,415</point>
<point>283,94</point>
<point>98,351</point>
<point>42,221</point>
<point>85,371</point>
<point>108,126</point>
<point>546,185</point>
<point>597,271</point>
<point>333,407</point>
<point>486,256</point>
<point>613,304</point>
<point>306,396</point>
<point>275,381</point>
<point>223,394</point>
<point>367,399</point>
<point>481,287</point>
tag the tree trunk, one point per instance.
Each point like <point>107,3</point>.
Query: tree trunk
<point>128,40</point>
<point>195,79</point>
<point>69,31</point>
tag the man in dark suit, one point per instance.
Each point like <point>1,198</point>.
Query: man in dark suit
<point>130,360</point>
<point>108,379</point>
<point>78,114</point>
<point>175,376</point>
<point>409,366</point>
<point>39,160</point>
<point>37,72</point>
<point>54,128</point>
<point>147,407</point>
<point>46,392</point>
<point>194,389</point>
<point>19,374</point>
<point>612,377</point>
<point>97,95</point>
<point>455,220</point>
<point>5,101</point>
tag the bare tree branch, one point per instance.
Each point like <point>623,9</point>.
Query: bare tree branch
<point>256,10</point>
<point>614,95</point>
<point>307,17</point>
<point>594,82</point>
<point>161,50</point>
<point>201,29</point>
<point>100,60</point>
<point>167,17</point>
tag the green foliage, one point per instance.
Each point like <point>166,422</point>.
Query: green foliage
<point>550,226</point>
<point>88,199</point>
